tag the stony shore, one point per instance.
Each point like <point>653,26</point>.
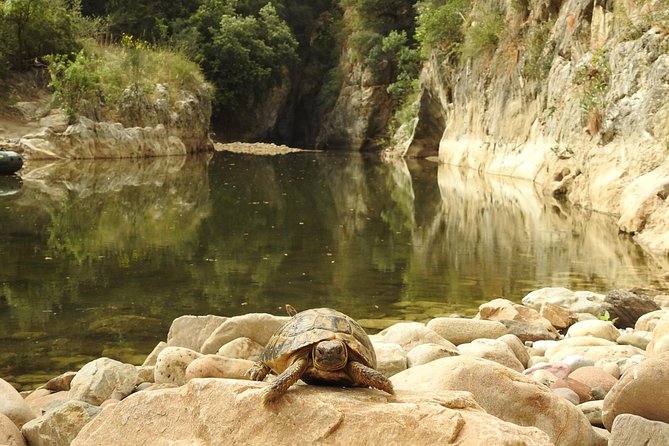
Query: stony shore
<point>562,368</point>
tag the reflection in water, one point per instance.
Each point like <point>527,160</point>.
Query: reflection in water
<point>100,256</point>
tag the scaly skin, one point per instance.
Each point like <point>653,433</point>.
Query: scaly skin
<point>367,376</point>
<point>258,372</point>
<point>285,380</point>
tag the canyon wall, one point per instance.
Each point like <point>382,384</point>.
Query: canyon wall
<point>594,128</point>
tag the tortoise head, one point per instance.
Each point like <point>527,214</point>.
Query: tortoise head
<point>330,355</point>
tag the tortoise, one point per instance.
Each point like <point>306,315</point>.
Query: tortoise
<point>321,346</point>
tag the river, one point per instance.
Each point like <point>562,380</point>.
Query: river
<point>98,257</point>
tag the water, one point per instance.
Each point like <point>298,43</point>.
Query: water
<point>98,257</point>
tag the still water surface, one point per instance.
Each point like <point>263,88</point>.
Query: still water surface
<point>98,257</point>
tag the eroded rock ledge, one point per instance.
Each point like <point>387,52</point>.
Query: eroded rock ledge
<point>147,128</point>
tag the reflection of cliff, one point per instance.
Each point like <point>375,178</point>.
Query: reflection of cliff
<point>499,236</point>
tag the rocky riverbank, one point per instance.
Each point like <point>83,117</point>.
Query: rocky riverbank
<point>146,128</point>
<point>563,368</point>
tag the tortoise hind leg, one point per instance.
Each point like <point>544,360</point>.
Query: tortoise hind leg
<point>367,376</point>
<point>285,380</point>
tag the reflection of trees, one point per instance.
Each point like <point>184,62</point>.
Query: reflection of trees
<point>118,250</point>
<point>90,240</point>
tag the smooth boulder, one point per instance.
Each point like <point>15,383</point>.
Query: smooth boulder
<point>460,330</point>
<point>231,412</point>
<point>633,430</point>
<point>643,390</point>
<point>504,393</point>
<point>13,406</point>
<point>256,326</point>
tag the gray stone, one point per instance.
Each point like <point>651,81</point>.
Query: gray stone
<point>59,426</point>
<point>256,326</point>
<point>242,348</point>
<point>410,334</point>
<point>625,307</point>
<point>593,411</point>
<point>101,379</point>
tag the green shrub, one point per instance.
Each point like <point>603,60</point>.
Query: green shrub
<point>32,29</point>
<point>405,61</point>
<point>593,80</point>
<point>538,58</point>
<point>100,74</point>
<point>484,30</point>
<point>73,81</point>
<point>440,26</point>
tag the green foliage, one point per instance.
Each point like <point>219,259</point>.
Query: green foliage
<point>440,25</point>
<point>406,62</point>
<point>537,57</point>
<point>484,30</point>
<point>593,80</point>
<point>73,81</point>
<point>98,75</point>
<point>607,317</point>
<point>31,29</point>
<point>243,55</point>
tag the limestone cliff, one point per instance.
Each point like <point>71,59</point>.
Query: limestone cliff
<point>145,126</point>
<point>593,127</point>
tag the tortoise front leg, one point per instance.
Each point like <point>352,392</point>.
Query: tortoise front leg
<point>285,380</point>
<point>258,371</point>
<point>367,376</point>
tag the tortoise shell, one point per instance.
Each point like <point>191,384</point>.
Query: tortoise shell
<point>310,327</point>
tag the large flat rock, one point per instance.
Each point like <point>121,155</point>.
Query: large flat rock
<point>225,411</point>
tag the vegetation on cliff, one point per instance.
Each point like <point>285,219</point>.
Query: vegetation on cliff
<point>279,66</point>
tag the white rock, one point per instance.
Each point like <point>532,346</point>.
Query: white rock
<point>242,348</point>
<point>172,363</point>
<point>578,302</point>
<point>424,353</point>
<point>390,358</point>
<point>59,427</point>
<point>100,379</point>
<point>192,331</point>
<point>493,350</point>
<point>597,328</point>
<point>461,330</point>
<point>410,334</point>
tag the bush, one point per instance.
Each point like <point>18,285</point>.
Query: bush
<point>593,79</point>
<point>73,81</point>
<point>440,26</point>
<point>538,58</point>
<point>100,74</point>
<point>245,56</point>
<point>33,29</point>
<point>484,30</point>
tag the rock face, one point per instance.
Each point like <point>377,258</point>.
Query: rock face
<point>504,393</point>
<point>147,129</point>
<point>231,411</point>
<point>493,113</point>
